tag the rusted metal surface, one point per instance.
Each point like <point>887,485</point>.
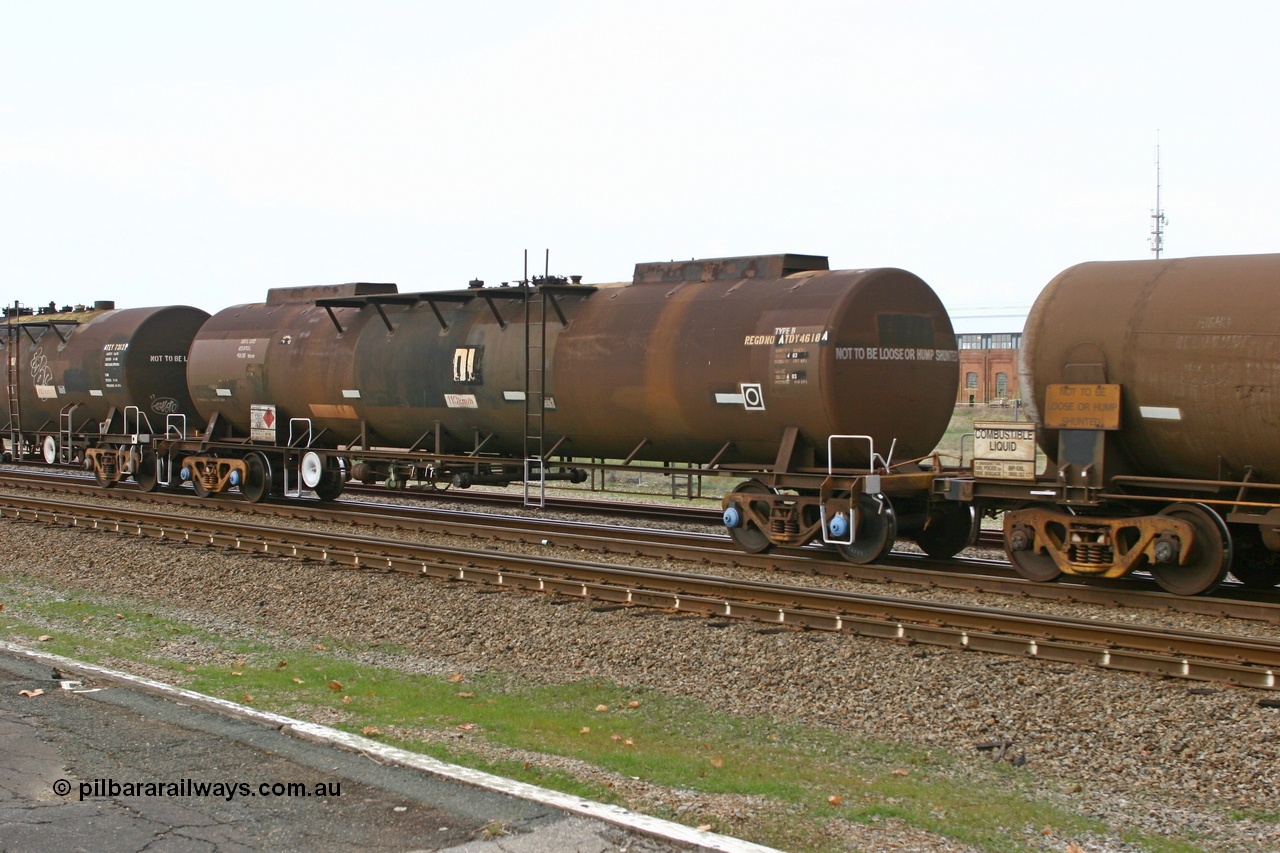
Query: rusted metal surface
<point>1193,344</point>
<point>283,352</point>
<point>132,357</point>
<point>692,365</point>
<point>686,371</point>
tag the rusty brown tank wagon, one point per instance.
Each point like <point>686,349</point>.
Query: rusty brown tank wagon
<point>823,389</point>
<point>1153,391</point>
<point>1156,387</point>
<point>96,385</point>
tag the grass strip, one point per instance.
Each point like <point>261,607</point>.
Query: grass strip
<point>782,784</point>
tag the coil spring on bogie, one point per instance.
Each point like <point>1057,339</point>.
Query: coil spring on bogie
<point>1091,555</point>
<point>784,522</point>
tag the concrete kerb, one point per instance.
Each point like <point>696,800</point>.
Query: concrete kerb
<point>615,815</point>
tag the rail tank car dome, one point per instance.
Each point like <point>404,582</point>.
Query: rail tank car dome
<point>701,361</point>
<point>111,361</point>
<point>1192,342</point>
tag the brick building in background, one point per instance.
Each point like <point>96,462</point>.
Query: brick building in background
<point>988,369</point>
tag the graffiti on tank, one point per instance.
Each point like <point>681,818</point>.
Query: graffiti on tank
<point>41,372</point>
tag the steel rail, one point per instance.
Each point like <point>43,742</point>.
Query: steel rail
<point>688,513</point>
<point>967,575</point>
<point>683,514</point>
<point>1185,654</point>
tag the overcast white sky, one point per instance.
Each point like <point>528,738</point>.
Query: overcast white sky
<point>168,152</point>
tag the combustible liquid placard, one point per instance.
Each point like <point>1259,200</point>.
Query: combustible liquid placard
<point>1004,450</point>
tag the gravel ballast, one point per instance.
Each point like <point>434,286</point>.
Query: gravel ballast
<point>1165,757</point>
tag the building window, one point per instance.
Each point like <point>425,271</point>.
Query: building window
<point>971,380</point>
<point>1002,385</point>
<point>1002,341</point>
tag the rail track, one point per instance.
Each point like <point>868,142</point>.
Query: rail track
<point>1184,654</point>
<point>483,497</point>
<point>681,514</point>
<point>706,548</point>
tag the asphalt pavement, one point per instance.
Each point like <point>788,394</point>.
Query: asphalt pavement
<point>96,765</point>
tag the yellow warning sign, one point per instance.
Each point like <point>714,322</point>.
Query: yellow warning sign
<point>1082,406</point>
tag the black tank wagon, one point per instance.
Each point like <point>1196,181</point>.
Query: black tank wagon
<point>97,385</point>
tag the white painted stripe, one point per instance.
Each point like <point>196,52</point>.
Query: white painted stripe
<point>315,733</point>
<point>351,394</point>
<point>93,392</point>
<point>1161,413</point>
<point>224,392</point>
<point>731,399</point>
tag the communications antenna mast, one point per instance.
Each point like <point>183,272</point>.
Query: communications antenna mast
<point>1158,220</point>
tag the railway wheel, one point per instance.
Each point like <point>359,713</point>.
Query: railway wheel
<point>950,529</point>
<point>49,450</point>
<point>329,486</point>
<point>1210,557</point>
<point>147,472</point>
<point>747,535</point>
<point>102,481</point>
<point>1033,565</point>
<point>257,478</point>
<point>877,531</point>
<point>1253,563</point>
<point>197,484</point>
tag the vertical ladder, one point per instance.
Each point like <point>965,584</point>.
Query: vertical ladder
<point>11,358</point>
<point>65,429</point>
<point>535,389</point>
